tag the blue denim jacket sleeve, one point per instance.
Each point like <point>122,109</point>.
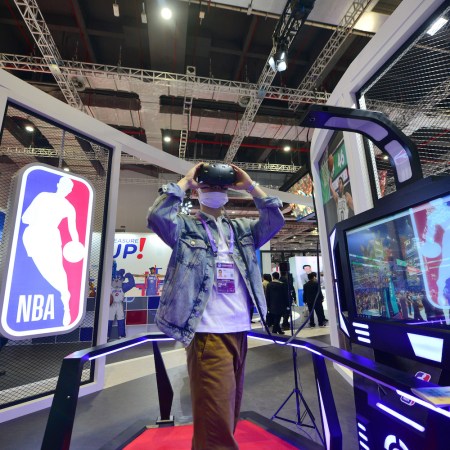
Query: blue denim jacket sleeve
<point>163,216</point>
<point>270,220</point>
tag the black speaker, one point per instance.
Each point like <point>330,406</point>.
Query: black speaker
<point>284,266</point>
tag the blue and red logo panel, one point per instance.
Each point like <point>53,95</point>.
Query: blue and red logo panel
<point>45,269</point>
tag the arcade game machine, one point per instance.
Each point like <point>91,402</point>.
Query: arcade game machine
<point>392,283</point>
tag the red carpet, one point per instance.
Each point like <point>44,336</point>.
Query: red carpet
<point>248,435</point>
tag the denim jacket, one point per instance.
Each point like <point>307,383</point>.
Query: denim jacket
<point>190,273</point>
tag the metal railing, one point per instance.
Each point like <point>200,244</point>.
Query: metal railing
<point>62,413</point>
<point>58,431</point>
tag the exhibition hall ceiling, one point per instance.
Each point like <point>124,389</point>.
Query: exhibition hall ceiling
<point>225,44</point>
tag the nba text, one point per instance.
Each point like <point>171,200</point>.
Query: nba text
<point>32,308</point>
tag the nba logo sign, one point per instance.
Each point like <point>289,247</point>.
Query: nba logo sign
<point>48,235</point>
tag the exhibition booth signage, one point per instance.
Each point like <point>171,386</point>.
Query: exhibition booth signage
<point>47,241</point>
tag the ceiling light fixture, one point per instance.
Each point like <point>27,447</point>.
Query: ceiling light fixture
<point>166,13</point>
<point>287,148</point>
<point>437,25</point>
<point>143,14</point>
<point>278,61</point>
<point>167,138</point>
<point>29,128</point>
<point>116,11</point>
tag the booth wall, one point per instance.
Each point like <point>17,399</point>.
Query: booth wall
<point>401,25</point>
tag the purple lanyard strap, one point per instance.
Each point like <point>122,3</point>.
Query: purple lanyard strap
<point>212,241</point>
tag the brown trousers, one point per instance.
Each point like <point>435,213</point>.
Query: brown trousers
<point>216,364</point>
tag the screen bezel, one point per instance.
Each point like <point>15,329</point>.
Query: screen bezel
<point>414,195</point>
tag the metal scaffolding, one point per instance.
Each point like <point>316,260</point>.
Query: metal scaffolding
<point>35,22</point>
<point>286,30</point>
<point>262,167</point>
<point>201,85</point>
<point>187,109</point>
<point>343,30</point>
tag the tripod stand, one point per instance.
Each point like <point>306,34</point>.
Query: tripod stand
<point>299,399</point>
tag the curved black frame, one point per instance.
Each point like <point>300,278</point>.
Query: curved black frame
<point>402,152</point>
<point>61,418</point>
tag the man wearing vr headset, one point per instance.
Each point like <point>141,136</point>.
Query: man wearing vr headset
<point>211,284</point>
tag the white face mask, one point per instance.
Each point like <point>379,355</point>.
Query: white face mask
<point>213,199</point>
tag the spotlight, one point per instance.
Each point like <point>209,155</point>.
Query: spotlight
<point>66,169</point>
<point>166,13</point>
<point>29,128</point>
<point>437,25</point>
<point>167,138</point>
<point>143,14</point>
<point>116,11</point>
<point>287,148</point>
<point>278,61</point>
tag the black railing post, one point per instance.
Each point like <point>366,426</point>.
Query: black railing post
<point>330,420</point>
<point>165,391</point>
<point>58,431</point>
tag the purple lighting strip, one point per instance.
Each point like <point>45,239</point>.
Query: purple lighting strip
<point>129,346</point>
<point>401,417</point>
<point>442,411</point>
<point>423,322</point>
<point>284,343</point>
<point>361,443</point>
<point>404,394</point>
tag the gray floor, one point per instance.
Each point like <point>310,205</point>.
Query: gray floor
<point>269,380</point>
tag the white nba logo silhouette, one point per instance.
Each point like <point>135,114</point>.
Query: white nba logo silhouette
<point>42,238</point>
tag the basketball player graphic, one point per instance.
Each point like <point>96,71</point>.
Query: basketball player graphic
<point>42,238</point>
<point>343,199</point>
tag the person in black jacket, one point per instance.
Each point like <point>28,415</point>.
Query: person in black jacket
<point>286,277</point>
<point>311,289</point>
<point>277,295</point>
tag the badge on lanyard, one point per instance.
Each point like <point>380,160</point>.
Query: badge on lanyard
<point>225,277</point>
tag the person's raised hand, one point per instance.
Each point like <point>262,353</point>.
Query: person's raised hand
<point>243,181</point>
<point>188,181</point>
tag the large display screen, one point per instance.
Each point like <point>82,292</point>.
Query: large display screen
<point>400,265</point>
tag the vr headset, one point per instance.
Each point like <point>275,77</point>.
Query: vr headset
<point>216,175</point>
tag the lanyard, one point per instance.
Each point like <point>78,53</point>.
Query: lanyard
<point>212,241</point>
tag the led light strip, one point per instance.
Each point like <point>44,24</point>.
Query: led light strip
<point>368,341</point>
<point>363,445</point>
<point>363,436</point>
<point>360,325</point>
<point>418,400</point>
<point>361,426</point>
<point>284,343</point>
<point>401,417</point>
<point>404,394</point>
<point>362,332</point>
<point>129,346</point>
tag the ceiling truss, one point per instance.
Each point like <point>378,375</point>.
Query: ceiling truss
<point>343,30</point>
<point>287,28</point>
<point>201,85</point>
<point>38,28</point>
